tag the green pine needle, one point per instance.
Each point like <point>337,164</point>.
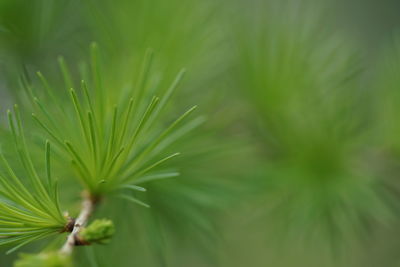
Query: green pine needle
<point>110,145</point>
<point>29,208</point>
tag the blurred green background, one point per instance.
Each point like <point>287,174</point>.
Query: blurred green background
<point>298,160</point>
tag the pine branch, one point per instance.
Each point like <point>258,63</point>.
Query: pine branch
<point>88,205</point>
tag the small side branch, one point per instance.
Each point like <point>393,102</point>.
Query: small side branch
<point>88,205</point>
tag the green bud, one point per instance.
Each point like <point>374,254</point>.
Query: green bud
<point>99,231</point>
<point>45,259</point>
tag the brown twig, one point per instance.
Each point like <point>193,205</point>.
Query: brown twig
<point>88,205</point>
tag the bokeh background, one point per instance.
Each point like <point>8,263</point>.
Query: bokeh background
<point>297,161</point>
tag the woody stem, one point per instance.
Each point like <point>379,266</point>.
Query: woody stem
<point>88,205</point>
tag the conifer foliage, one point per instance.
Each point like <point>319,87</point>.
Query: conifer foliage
<point>111,146</point>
